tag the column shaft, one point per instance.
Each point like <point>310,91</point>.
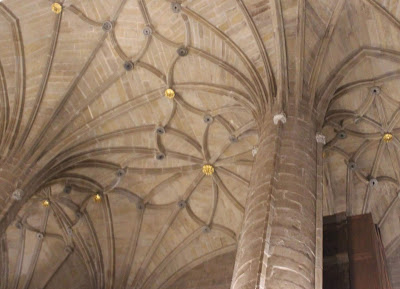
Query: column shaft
<point>278,241</point>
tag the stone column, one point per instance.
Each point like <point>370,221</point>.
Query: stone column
<point>277,247</point>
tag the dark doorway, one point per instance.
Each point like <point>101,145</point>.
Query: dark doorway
<point>354,257</point>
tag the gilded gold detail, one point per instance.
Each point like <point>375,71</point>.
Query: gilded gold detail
<point>97,198</point>
<point>169,93</point>
<point>387,137</point>
<point>208,170</point>
<point>46,203</point>
<point>56,8</point>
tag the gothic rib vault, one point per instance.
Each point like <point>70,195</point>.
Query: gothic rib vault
<point>83,112</point>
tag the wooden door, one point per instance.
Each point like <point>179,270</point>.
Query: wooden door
<point>366,255</point>
<point>354,257</point>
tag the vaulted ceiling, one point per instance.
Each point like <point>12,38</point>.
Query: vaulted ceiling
<point>84,112</point>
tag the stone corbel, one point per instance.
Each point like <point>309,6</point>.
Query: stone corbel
<point>320,138</point>
<point>280,117</point>
<point>17,195</point>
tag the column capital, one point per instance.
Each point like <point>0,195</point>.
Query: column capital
<point>320,138</point>
<point>280,117</point>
